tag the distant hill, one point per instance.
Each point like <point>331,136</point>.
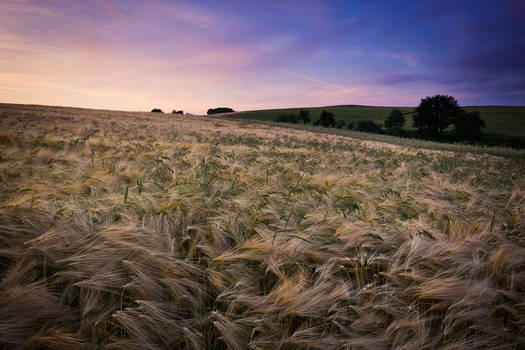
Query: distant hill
<point>501,120</point>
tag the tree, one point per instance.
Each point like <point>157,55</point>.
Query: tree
<point>156,110</point>
<point>468,125</point>
<point>395,122</point>
<point>367,126</point>
<point>304,114</point>
<point>434,114</point>
<point>177,112</point>
<point>220,110</point>
<point>340,123</point>
<point>327,119</point>
<point>287,118</point>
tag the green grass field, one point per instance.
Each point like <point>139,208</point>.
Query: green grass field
<point>499,120</point>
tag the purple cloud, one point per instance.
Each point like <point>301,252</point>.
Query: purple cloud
<point>235,52</point>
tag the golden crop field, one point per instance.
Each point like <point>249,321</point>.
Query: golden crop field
<point>147,231</point>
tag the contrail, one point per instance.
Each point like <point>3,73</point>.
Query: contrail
<point>322,82</point>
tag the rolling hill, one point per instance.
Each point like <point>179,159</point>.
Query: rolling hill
<point>500,120</point>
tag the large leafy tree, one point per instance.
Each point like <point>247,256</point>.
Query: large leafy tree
<point>434,114</point>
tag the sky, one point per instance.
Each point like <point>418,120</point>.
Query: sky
<point>194,55</point>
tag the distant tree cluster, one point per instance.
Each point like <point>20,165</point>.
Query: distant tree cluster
<point>210,111</point>
<point>432,119</point>
<point>287,118</point>
<point>304,117</point>
<point>158,110</point>
<point>219,110</point>
<point>325,119</point>
<point>367,126</point>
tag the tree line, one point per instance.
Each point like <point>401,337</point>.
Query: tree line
<point>158,110</point>
<point>210,111</point>
<point>432,118</point>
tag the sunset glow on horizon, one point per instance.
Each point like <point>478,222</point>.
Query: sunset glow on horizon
<point>195,55</point>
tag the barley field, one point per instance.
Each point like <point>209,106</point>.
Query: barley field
<point>123,230</point>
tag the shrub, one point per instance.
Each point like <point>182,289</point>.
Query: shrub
<point>177,112</point>
<point>367,126</point>
<point>340,124</point>
<point>220,110</point>
<point>327,119</point>
<point>287,118</point>
<point>468,125</point>
<point>395,122</point>
<point>156,110</point>
<point>305,116</point>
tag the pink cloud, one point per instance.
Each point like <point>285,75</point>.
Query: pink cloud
<point>140,55</point>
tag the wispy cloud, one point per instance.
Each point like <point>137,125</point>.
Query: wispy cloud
<point>401,78</point>
<point>339,88</point>
<point>192,14</point>
<point>409,58</point>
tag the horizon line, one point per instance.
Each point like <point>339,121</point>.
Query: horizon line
<point>238,111</point>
